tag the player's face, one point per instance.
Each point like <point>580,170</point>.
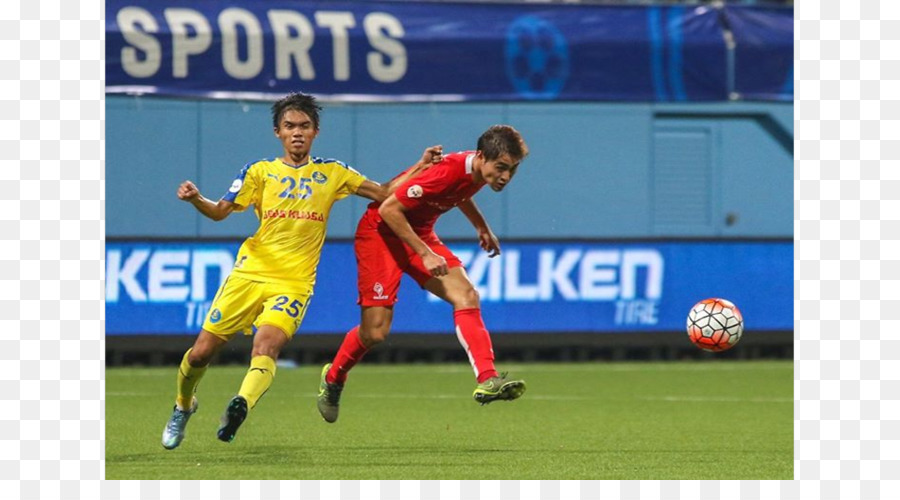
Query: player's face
<point>296,132</point>
<point>499,172</point>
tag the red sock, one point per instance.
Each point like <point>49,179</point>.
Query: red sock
<point>352,350</point>
<point>476,341</point>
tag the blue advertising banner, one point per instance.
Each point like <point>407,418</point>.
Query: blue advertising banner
<point>764,51</point>
<point>167,288</point>
<point>422,51</point>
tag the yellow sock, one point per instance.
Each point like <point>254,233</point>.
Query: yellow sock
<point>188,378</point>
<point>258,379</point>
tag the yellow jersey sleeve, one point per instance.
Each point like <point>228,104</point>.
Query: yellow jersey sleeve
<point>349,183</point>
<point>246,189</point>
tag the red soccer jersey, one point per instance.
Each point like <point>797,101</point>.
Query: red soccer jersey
<point>437,190</point>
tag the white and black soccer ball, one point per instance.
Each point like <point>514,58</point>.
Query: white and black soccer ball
<point>715,325</point>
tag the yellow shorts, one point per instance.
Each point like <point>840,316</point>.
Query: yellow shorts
<point>242,305</point>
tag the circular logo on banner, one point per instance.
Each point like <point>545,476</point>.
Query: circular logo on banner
<point>537,58</point>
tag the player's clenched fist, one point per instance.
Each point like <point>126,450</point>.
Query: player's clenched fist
<point>433,155</point>
<point>435,264</point>
<point>187,191</point>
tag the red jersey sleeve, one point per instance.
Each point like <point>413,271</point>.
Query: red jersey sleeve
<point>435,181</point>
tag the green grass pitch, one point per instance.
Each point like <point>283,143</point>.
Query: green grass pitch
<point>675,420</point>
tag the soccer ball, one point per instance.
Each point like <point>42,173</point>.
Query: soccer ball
<point>715,325</point>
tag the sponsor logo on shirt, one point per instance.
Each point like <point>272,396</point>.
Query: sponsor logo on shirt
<point>319,177</point>
<point>414,191</point>
<point>235,186</point>
<point>440,207</point>
<point>379,292</point>
<point>293,214</point>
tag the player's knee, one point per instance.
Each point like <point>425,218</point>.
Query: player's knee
<point>467,299</point>
<point>269,350</point>
<point>199,357</point>
<point>269,344</point>
<point>375,327</point>
<point>374,334</point>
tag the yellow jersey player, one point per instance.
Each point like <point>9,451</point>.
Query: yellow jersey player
<point>268,291</point>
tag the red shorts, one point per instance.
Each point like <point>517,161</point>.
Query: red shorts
<point>382,258</point>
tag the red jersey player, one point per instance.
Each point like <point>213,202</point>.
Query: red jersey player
<point>397,236</point>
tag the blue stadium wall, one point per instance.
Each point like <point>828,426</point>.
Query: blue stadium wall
<point>596,171</point>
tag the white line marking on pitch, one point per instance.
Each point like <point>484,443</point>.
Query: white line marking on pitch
<point>704,399</point>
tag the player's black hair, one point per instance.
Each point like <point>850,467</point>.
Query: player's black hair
<point>297,101</point>
<point>500,139</point>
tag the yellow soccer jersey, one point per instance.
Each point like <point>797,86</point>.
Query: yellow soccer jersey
<point>292,203</point>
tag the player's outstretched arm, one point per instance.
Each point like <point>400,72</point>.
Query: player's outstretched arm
<point>487,240</point>
<point>188,192</point>
<point>377,192</point>
<point>392,211</point>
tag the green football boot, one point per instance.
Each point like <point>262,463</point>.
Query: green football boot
<point>173,434</point>
<point>329,397</point>
<point>234,416</point>
<point>498,388</point>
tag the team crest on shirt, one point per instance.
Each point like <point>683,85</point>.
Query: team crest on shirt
<point>235,186</point>
<point>379,292</point>
<point>319,177</point>
<point>414,191</point>
<point>215,316</point>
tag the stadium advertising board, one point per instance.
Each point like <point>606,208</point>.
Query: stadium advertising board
<point>446,51</point>
<point>167,288</point>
